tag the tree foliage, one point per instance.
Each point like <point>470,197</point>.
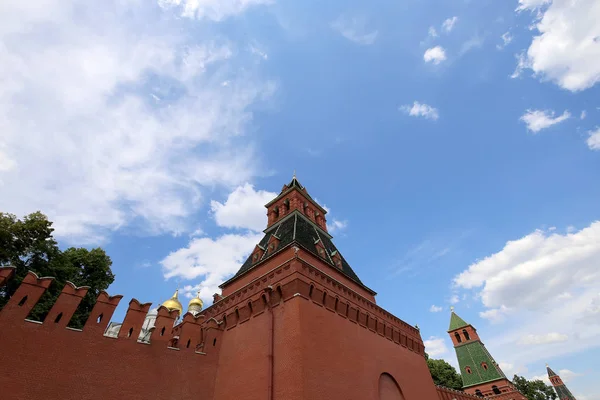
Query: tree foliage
<point>534,390</point>
<point>28,245</point>
<point>444,374</point>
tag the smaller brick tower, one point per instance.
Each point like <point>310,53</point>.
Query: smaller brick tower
<point>480,373</point>
<point>561,389</point>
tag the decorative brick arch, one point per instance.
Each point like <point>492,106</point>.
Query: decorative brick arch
<point>388,388</point>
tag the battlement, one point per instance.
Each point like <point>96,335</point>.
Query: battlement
<point>168,359</point>
<point>161,333</point>
<point>445,393</point>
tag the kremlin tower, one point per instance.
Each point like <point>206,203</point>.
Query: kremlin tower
<point>561,389</point>
<point>481,374</point>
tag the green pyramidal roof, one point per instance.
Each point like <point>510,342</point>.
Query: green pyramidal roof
<point>456,322</point>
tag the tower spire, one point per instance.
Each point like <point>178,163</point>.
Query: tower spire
<point>561,389</point>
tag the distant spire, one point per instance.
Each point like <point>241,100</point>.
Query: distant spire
<point>451,308</point>
<point>294,177</point>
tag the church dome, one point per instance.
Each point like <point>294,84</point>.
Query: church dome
<point>173,303</point>
<point>195,305</point>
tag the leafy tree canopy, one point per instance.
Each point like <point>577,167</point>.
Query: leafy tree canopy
<point>444,374</point>
<point>28,245</point>
<point>534,390</point>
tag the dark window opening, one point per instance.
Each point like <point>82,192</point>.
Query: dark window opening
<point>58,317</point>
<point>188,343</point>
<point>467,337</point>
<point>310,291</point>
<point>496,390</point>
<point>130,332</point>
<point>99,319</point>
<point>23,300</point>
<point>484,366</point>
<point>162,331</point>
<point>214,342</point>
<point>457,336</point>
<point>468,369</point>
<point>478,393</point>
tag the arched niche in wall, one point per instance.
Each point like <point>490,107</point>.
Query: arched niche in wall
<point>389,389</point>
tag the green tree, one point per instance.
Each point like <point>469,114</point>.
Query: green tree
<point>444,374</point>
<point>534,390</point>
<point>28,244</point>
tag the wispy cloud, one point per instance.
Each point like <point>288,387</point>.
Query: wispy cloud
<point>474,42</point>
<point>448,24</point>
<point>536,120</point>
<point>506,39</point>
<point>355,29</point>
<point>552,337</point>
<point>120,115</point>
<point>435,309</point>
<point>420,110</point>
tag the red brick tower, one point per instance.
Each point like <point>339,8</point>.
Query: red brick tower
<point>480,373</point>
<point>561,389</point>
<point>295,323</point>
<point>299,323</point>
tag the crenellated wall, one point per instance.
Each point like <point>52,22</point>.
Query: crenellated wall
<point>445,393</point>
<point>293,333</point>
<point>51,361</point>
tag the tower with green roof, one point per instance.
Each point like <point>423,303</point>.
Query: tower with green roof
<point>481,374</point>
<point>561,389</point>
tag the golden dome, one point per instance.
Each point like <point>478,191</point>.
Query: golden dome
<point>173,303</point>
<point>196,303</point>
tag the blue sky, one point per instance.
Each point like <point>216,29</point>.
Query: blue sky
<point>455,143</point>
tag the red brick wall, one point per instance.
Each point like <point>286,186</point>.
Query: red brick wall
<point>50,361</point>
<point>314,336</point>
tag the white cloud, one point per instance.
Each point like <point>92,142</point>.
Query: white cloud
<point>448,24</point>
<point>552,337</point>
<point>566,50</point>
<point>435,346</point>
<point>108,121</point>
<point>593,141</point>
<point>583,115</point>
<point>495,315</point>
<point>524,283</point>
<point>531,4</point>
<point>336,225</point>
<point>454,299</point>
<point>354,29</point>
<point>244,208</point>
<point>434,55</point>
<point>506,39</point>
<point>420,110</point>
<point>536,120</point>
<point>432,32</point>
<point>216,10</point>
<point>214,260</point>
<point>435,308</point>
